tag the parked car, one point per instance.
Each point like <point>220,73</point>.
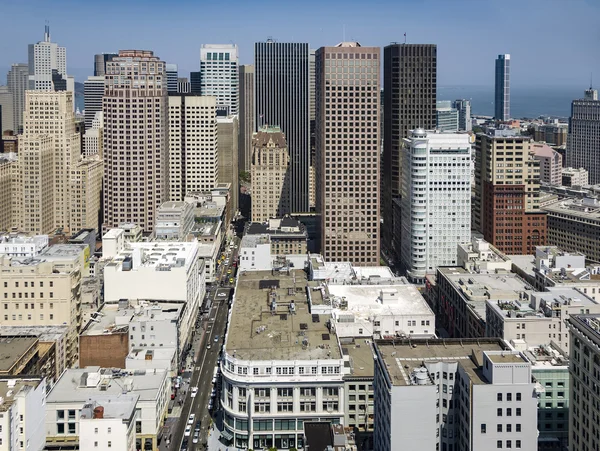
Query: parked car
<point>197,427</point>
<point>191,418</point>
<point>194,392</point>
<point>196,437</point>
<point>188,431</point>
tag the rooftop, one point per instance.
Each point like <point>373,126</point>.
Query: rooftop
<point>115,318</point>
<point>404,358</point>
<point>542,150</point>
<point>361,357</point>
<point>251,241</point>
<point>78,385</point>
<point>119,407</point>
<point>586,208</point>
<point>12,350</point>
<point>201,229</point>
<point>160,255</point>
<point>9,388</point>
<point>39,241</point>
<point>43,333</point>
<point>62,251</point>
<point>546,357</point>
<point>259,330</point>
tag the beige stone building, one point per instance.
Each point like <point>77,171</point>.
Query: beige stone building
<point>347,131</point>
<point>270,174</point>
<point>8,165</point>
<point>193,145</point>
<point>227,131</point>
<point>42,292</point>
<point>86,186</point>
<point>136,160</point>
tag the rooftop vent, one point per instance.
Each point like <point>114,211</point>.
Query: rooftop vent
<point>303,326</point>
<point>315,319</point>
<point>325,337</point>
<point>283,316</point>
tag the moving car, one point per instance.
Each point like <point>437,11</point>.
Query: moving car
<point>196,437</point>
<point>191,418</point>
<point>197,427</point>
<point>194,392</point>
<point>188,431</point>
<point>216,339</point>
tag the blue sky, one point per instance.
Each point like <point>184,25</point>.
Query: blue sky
<point>551,42</point>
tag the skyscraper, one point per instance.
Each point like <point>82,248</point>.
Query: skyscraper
<point>219,76</point>
<point>502,95</point>
<point>410,84</point>
<point>246,113</point>
<point>172,75</point>
<point>100,61</point>
<point>464,114</point>
<point>193,145</point>
<point>6,103</point>
<point>228,133</point>
<point>269,174</point>
<point>195,83</point>
<point>136,177</point>
<point>282,97</point>
<point>18,82</point>
<point>347,152</point>
<point>93,91</point>
<point>44,57</point>
<point>436,201</point>
<point>583,140</point>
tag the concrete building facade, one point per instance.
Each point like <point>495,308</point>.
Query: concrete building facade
<point>246,115</point>
<point>86,189</point>
<point>228,132</point>
<point>17,81</point>
<point>583,139</point>
<point>347,169</point>
<point>93,137</point>
<point>136,171</point>
<point>44,58</point>
<point>219,76</point>
<point>93,91</point>
<point>270,174</point>
<point>193,145</point>
<point>575,177</point>
<point>550,163</point>
<point>436,200</point>
<point>463,107</point>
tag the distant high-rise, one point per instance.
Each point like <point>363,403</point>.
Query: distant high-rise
<point>583,140</point>
<point>6,103</point>
<point>136,174</point>
<point>219,76</point>
<point>183,86</point>
<point>464,114</point>
<point>172,76</point>
<point>100,61</point>
<point>347,156</point>
<point>502,95</point>
<point>410,84</point>
<point>44,57</point>
<point>195,83</point>
<point>246,113</point>
<point>93,91</point>
<point>193,145</point>
<point>446,116</point>
<point>228,133</point>
<point>270,174</point>
<point>18,82</point>
<point>282,97</point>
<point>436,201</point>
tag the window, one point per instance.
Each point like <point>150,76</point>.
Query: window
<point>517,443</point>
<point>109,430</point>
<point>509,412</point>
<point>96,443</point>
<point>95,432</point>
<point>71,428</point>
<point>509,396</point>
<point>509,443</point>
<point>509,428</point>
<point>109,444</point>
<point>518,427</point>
<point>499,428</point>
<point>499,444</point>
<point>518,411</point>
<point>499,397</point>
<point>518,396</point>
<point>483,428</point>
<point>499,412</point>
<point>60,427</point>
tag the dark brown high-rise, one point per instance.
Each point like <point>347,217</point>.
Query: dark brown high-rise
<point>409,83</point>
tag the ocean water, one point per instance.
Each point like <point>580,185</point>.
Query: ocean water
<point>525,102</point>
<point>529,102</point>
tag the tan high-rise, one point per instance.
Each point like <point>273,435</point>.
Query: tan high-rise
<point>136,176</point>
<point>270,174</point>
<point>48,151</point>
<point>8,164</point>
<point>86,186</point>
<point>347,152</point>
<point>227,130</point>
<point>246,115</point>
<point>193,145</point>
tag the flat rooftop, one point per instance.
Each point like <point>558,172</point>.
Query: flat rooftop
<point>12,349</point>
<point>205,228</point>
<point>43,333</point>
<point>80,384</point>
<point>575,208</point>
<point>251,241</point>
<point>9,388</point>
<point>160,255</point>
<point>61,251</point>
<point>115,319</point>
<point>525,263</point>
<point>361,357</point>
<point>403,357</point>
<point>256,332</point>
<point>120,407</point>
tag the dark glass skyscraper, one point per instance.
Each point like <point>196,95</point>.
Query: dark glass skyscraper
<point>282,97</point>
<point>502,97</point>
<point>409,102</point>
<point>100,61</point>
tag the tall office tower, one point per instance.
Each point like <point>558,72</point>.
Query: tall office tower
<point>193,145</point>
<point>8,170</point>
<point>92,139</point>
<point>183,86</point>
<point>227,131</point>
<point>93,91</point>
<point>584,334</point>
<point>282,96</point>
<point>172,76</point>
<point>506,204</point>
<point>347,152</point>
<point>136,171</point>
<point>100,61</point>
<point>410,84</point>
<point>219,76</point>
<point>18,82</point>
<point>436,201</point>
<point>312,171</point>
<point>50,148</point>
<point>502,92</point>
<point>86,188</point>
<point>44,57</point>
<point>6,105</point>
<point>246,114</point>
<point>270,174</point>
<point>463,107</point>
<point>583,140</point>
<point>195,83</point>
